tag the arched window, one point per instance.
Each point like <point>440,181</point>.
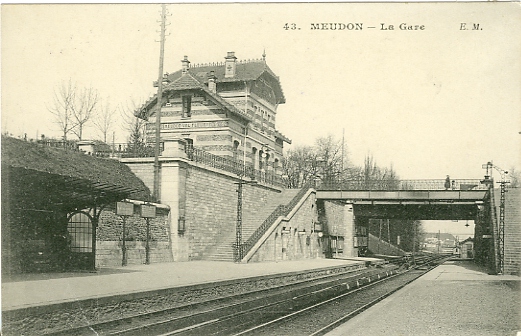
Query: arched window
<point>80,230</point>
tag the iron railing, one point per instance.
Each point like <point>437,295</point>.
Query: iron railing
<point>233,166</point>
<point>280,211</point>
<point>378,185</point>
<point>126,150</point>
<point>64,144</point>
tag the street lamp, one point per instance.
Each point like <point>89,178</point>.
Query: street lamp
<point>238,229</point>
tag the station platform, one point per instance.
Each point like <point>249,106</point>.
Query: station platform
<point>456,298</point>
<point>37,290</point>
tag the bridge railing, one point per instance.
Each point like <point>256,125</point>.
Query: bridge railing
<point>379,185</point>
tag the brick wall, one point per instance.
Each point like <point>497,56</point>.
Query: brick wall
<point>109,236</point>
<point>512,258</point>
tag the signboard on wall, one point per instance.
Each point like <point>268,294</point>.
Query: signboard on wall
<point>148,211</point>
<point>124,209</point>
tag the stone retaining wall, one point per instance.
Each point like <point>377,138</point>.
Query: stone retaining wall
<point>109,238</point>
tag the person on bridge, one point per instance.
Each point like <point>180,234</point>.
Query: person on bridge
<point>447,183</point>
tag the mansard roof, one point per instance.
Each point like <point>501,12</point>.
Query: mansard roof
<point>249,70</point>
<point>189,82</point>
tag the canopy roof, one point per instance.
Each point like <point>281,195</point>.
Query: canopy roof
<point>42,177</point>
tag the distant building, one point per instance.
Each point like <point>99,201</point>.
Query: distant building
<point>467,248</point>
<point>228,109</point>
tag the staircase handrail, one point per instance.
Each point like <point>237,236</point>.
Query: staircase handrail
<point>280,211</point>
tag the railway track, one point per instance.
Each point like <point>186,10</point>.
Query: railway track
<point>310,307</point>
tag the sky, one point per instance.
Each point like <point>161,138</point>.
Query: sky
<point>429,102</point>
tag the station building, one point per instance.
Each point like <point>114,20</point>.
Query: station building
<point>226,108</point>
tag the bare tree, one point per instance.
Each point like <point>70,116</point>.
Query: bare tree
<point>104,120</point>
<point>326,159</point>
<point>83,107</point>
<point>298,166</point>
<point>373,176</point>
<point>62,107</point>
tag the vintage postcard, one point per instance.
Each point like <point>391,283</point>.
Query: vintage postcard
<point>233,168</point>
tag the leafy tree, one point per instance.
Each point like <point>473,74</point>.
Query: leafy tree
<point>135,127</point>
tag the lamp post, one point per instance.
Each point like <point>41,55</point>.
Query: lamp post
<point>238,229</point>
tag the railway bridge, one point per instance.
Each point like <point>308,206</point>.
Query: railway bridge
<point>427,200</point>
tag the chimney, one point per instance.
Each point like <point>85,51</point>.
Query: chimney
<point>212,86</point>
<point>230,65</point>
<point>186,63</point>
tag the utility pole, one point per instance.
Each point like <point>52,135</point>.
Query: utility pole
<point>157,193</point>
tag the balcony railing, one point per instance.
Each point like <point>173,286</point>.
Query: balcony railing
<point>233,166</point>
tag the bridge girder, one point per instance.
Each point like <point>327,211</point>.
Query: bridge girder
<point>417,211</point>
<point>410,204</point>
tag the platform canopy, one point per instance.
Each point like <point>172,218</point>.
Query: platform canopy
<point>43,178</point>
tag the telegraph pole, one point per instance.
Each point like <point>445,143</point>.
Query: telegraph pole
<point>157,194</point>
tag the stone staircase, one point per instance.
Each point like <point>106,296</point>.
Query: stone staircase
<point>223,251</point>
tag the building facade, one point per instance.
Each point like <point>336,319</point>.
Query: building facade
<point>228,109</point>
